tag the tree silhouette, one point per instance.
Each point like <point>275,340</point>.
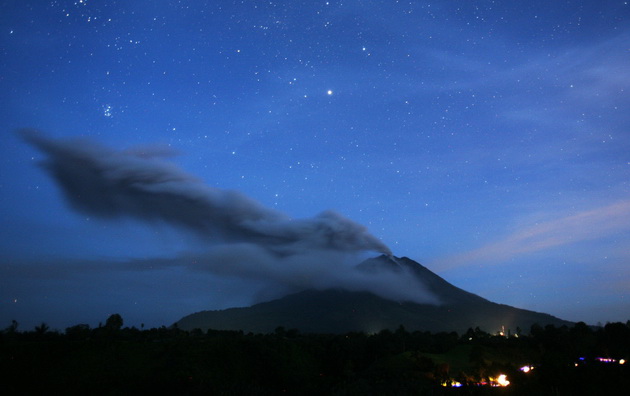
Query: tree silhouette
<point>12,327</point>
<point>42,329</point>
<point>114,322</point>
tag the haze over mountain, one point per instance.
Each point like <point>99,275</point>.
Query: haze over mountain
<point>339,311</point>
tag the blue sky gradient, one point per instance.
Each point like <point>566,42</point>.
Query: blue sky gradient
<point>488,140</point>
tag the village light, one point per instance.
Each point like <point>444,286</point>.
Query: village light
<point>502,380</point>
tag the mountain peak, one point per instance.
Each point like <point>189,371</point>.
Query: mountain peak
<point>379,263</point>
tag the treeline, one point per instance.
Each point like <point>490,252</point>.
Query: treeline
<point>112,359</point>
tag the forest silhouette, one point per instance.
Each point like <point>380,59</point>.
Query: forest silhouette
<point>112,359</point>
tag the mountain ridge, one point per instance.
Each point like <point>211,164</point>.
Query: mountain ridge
<point>340,311</point>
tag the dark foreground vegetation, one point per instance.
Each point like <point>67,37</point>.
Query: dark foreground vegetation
<point>111,359</point>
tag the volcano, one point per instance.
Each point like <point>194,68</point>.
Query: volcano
<point>342,311</point>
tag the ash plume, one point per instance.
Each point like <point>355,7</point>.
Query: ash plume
<point>141,184</point>
<point>241,238</point>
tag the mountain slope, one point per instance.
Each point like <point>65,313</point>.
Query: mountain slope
<point>339,311</point>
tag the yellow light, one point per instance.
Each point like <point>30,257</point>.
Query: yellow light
<point>622,361</point>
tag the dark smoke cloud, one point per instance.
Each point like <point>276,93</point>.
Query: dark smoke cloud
<point>242,239</point>
<point>141,184</point>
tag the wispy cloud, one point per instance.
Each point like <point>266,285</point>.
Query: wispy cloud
<point>587,225</point>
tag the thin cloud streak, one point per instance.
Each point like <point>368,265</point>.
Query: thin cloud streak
<point>309,270</point>
<point>584,226</point>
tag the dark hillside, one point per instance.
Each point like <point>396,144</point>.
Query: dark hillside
<point>339,311</point>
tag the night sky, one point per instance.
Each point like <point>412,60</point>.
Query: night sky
<point>208,154</point>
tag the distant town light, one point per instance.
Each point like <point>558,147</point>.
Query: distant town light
<point>454,384</point>
<point>502,380</point>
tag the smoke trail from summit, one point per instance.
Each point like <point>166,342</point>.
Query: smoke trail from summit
<point>115,184</point>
